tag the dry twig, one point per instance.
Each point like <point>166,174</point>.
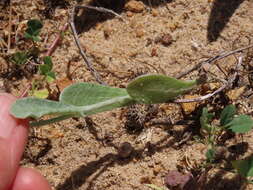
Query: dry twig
<point>100,9</point>
<point>227,84</point>
<point>25,92</point>
<point>9,29</point>
<point>216,58</point>
<point>87,62</point>
<point>58,38</point>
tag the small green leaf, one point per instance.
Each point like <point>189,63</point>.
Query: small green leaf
<point>244,167</point>
<point>206,119</point>
<point>151,89</point>
<point>34,24</point>
<point>48,61</point>
<point>19,58</point>
<point>227,114</point>
<point>41,93</point>
<point>47,66</point>
<point>210,154</point>
<point>33,30</point>
<point>50,77</point>
<point>240,124</point>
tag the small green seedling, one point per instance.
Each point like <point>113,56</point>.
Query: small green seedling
<point>83,99</point>
<point>19,58</point>
<point>32,32</point>
<point>46,69</point>
<point>228,121</point>
<point>45,66</point>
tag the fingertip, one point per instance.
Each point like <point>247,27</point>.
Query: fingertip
<point>7,121</point>
<point>8,96</point>
<point>30,179</point>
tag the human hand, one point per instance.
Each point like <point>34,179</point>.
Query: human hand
<point>13,137</point>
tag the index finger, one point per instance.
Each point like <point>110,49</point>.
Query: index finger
<point>13,137</point>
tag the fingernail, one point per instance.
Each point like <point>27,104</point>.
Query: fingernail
<point>7,122</point>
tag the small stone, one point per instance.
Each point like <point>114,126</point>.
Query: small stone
<point>139,32</point>
<point>235,93</point>
<point>165,39</point>
<point>145,180</point>
<point>125,150</point>
<point>155,12</point>
<point>177,179</point>
<point>129,14</point>
<point>189,107</point>
<point>135,6</point>
<point>154,52</point>
<point>157,170</point>
<point>107,32</point>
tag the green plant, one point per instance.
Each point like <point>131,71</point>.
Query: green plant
<point>228,121</point>
<point>45,66</point>
<point>32,32</point>
<point>46,69</point>
<point>82,99</point>
<point>19,58</point>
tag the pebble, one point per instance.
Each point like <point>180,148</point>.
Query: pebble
<point>135,6</point>
<point>125,150</point>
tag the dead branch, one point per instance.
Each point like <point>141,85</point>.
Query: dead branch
<point>100,9</point>
<point>87,62</point>
<point>227,84</point>
<point>57,40</point>
<point>213,59</point>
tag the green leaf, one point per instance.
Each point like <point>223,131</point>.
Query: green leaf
<point>85,94</point>
<point>82,94</point>
<point>210,154</point>
<point>41,93</point>
<point>150,89</point>
<point>50,76</point>
<point>80,99</point>
<point>227,114</point>
<point>36,108</point>
<point>33,30</point>
<point>77,100</point>
<point>19,58</point>
<point>206,119</point>
<point>244,167</point>
<point>47,66</point>
<point>240,124</point>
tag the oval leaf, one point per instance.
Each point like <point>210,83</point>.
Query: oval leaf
<point>83,94</point>
<point>227,114</point>
<point>150,89</point>
<point>241,124</point>
<point>36,107</point>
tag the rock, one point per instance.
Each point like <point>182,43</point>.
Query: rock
<point>189,107</point>
<point>177,179</point>
<point>135,6</point>
<point>125,150</point>
<point>165,39</point>
<point>235,93</point>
